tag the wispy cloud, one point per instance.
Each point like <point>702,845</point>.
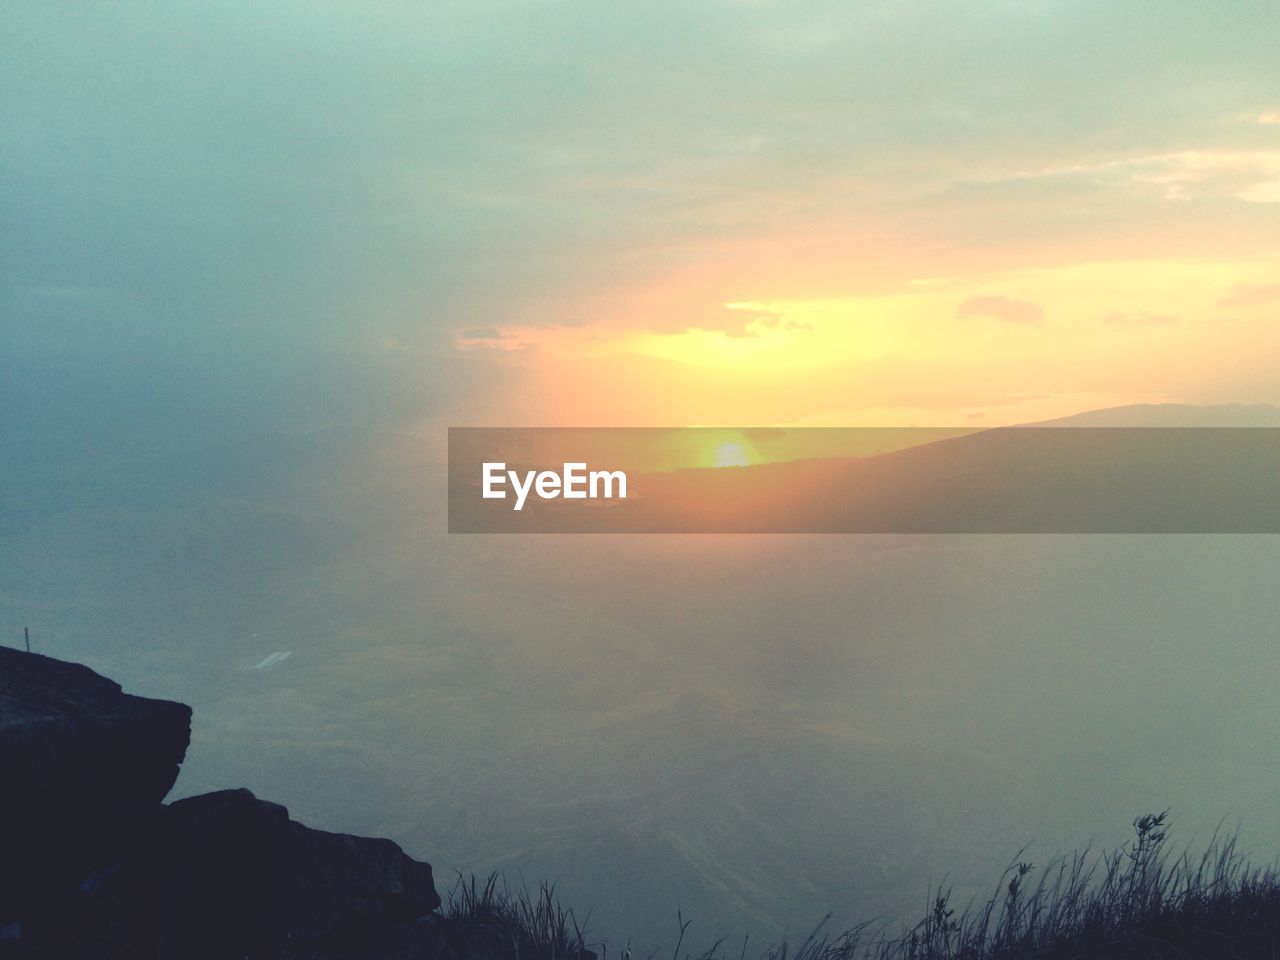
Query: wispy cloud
<point>757,319</point>
<point>393,345</point>
<point>1139,319</point>
<point>1002,308</point>
<point>1251,295</point>
<point>481,333</point>
<point>1249,175</point>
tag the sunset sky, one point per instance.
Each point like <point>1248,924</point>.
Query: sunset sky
<point>690,213</point>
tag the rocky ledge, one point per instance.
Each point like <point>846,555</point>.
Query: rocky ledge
<point>94,865</point>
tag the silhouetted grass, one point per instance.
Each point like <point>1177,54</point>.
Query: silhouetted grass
<point>530,925</point>
<point>1137,902</point>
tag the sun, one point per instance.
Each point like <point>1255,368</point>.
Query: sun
<point>731,455</point>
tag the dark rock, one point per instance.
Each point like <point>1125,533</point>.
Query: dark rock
<point>93,866</point>
<point>84,769</point>
<point>238,878</point>
<point>427,938</point>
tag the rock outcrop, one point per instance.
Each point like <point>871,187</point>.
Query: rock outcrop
<point>85,768</point>
<point>322,887</point>
<point>93,865</point>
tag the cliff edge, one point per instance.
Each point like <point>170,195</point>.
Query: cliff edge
<point>94,864</point>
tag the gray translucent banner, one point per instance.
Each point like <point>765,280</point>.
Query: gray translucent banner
<point>865,480</point>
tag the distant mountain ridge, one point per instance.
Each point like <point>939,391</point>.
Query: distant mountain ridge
<point>1139,469</point>
<point>1171,415</point>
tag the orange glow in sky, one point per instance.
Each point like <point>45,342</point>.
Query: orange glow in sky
<point>955,351</point>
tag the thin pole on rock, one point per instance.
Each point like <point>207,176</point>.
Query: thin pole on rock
<point>26,636</point>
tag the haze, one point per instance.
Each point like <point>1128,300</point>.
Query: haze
<point>258,258</point>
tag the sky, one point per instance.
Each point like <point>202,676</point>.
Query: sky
<point>662,214</point>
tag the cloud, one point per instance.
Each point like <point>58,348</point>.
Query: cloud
<point>1265,192</point>
<point>488,338</point>
<point>482,333</point>
<point>752,319</point>
<point>1251,295</point>
<point>1002,308</point>
<point>444,155</point>
<point>393,345</point>
<point>1140,318</point>
<point>1249,175</point>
